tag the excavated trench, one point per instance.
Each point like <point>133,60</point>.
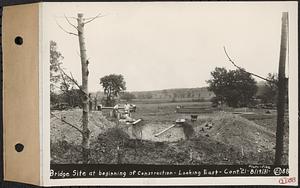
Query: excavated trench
<point>149,131</point>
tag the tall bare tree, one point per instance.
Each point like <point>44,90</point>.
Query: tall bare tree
<point>84,78</point>
<point>281,90</point>
<point>81,22</point>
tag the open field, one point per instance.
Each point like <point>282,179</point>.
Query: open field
<point>219,137</point>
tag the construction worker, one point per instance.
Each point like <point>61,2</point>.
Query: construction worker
<point>116,111</point>
<point>127,109</point>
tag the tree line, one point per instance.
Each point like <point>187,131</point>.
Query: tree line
<point>236,88</point>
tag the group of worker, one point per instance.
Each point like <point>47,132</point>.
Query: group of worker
<point>126,115</point>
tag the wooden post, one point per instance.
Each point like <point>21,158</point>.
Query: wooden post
<point>84,87</point>
<point>281,90</point>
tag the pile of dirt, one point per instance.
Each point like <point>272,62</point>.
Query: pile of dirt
<point>61,131</point>
<point>207,150</point>
<point>237,131</point>
<point>109,146</point>
<point>223,138</point>
<point>116,147</point>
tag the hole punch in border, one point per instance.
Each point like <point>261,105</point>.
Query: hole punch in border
<point>18,40</point>
<point>19,147</point>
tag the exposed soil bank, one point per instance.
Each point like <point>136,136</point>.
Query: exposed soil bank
<point>222,138</point>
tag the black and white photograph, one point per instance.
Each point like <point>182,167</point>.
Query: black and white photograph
<point>173,83</point>
<point>154,93</point>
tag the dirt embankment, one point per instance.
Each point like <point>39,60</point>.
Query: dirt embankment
<point>62,131</point>
<point>237,131</point>
<point>222,138</point>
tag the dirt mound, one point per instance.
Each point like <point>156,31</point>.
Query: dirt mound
<point>109,146</point>
<point>62,131</point>
<point>115,147</point>
<point>237,131</point>
<point>222,138</point>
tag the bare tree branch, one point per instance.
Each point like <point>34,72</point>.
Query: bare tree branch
<point>71,23</point>
<point>65,82</point>
<point>73,80</point>
<point>230,60</point>
<point>75,127</point>
<point>85,19</point>
<point>93,18</point>
<point>68,32</point>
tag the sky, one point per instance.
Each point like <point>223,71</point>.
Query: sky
<point>170,45</point>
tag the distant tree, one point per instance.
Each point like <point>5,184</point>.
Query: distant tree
<point>55,76</point>
<point>234,87</point>
<point>67,86</point>
<point>112,84</point>
<point>175,95</point>
<point>188,94</point>
<point>55,98</point>
<point>74,97</point>
<point>182,94</point>
<point>127,96</point>
<point>270,90</point>
<point>61,86</point>
<point>173,99</point>
<point>269,93</point>
<point>148,95</point>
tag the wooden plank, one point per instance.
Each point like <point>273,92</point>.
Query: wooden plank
<point>156,135</point>
<point>137,121</point>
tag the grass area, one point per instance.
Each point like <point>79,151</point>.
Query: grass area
<point>164,112</point>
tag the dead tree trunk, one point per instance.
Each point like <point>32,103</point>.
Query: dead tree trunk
<point>85,132</point>
<point>84,87</point>
<point>281,90</point>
